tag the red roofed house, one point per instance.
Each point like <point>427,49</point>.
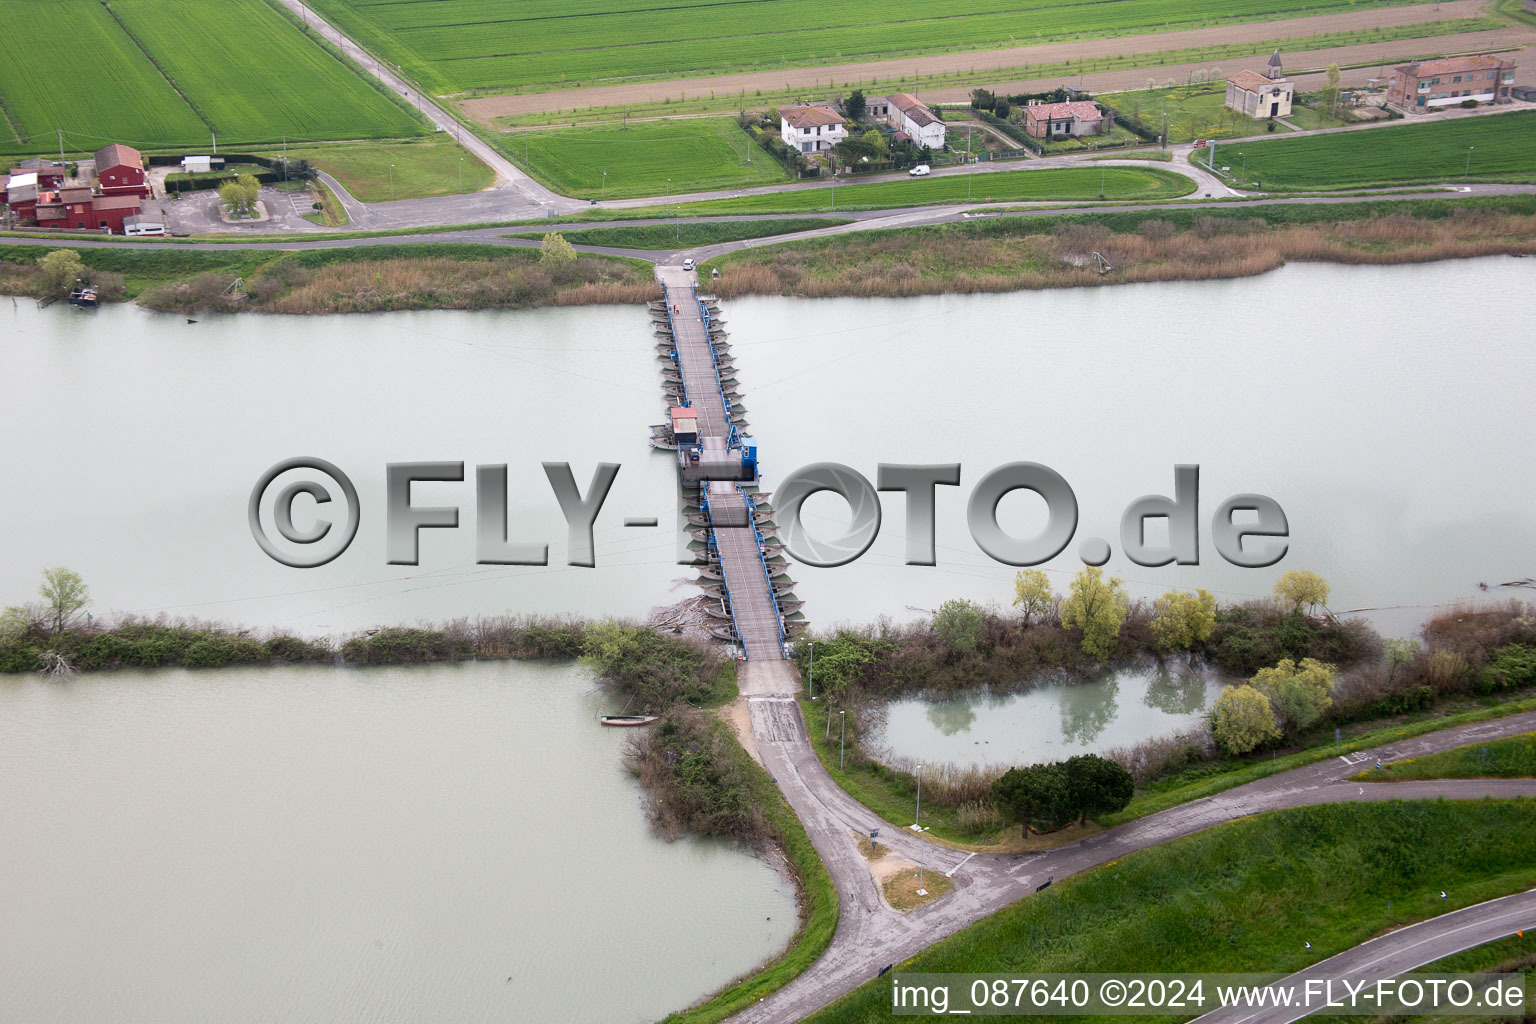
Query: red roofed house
<point>1428,85</point>
<point>906,113</point>
<point>1062,120</point>
<point>120,171</point>
<point>1261,96</point>
<point>811,129</point>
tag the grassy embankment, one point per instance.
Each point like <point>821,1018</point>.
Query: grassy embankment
<point>1513,758</point>
<point>1244,896</point>
<point>1157,244</point>
<point>421,167</point>
<point>683,235</point>
<point>160,73</point>
<point>645,158</point>
<point>461,46</point>
<point>369,279</point>
<point>331,213</point>
<point>1499,145</point>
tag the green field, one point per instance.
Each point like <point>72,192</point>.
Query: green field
<point>1437,151</point>
<point>679,235</point>
<point>422,167</point>
<point>1045,185</point>
<point>696,153</point>
<point>1246,896</point>
<point>1194,112</point>
<point>171,73</point>
<point>452,46</point>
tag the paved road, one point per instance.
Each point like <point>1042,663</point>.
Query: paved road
<point>870,935</point>
<point>1399,952</point>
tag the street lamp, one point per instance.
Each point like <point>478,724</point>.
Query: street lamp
<point>461,174</point>
<point>1469,161</point>
<point>605,185</point>
<point>1245,166</point>
<point>841,739</point>
<point>917,818</point>
<point>391,182</point>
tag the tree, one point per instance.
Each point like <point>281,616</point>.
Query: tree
<point>1330,92</point>
<point>1096,606</point>
<point>1036,796</point>
<point>958,623</point>
<point>1002,109</point>
<point>855,105</point>
<point>1301,588</point>
<point>64,596</point>
<point>60,268</point>
<point>1032,593</point>
<point>1098,785</point>
<point>1399,651</point>
<point>1181,619</point>
<point>1242,720</point>
<point>878,143</point>
<point>556,251</point>
<point>1300,693</point>
<point>240,195</point>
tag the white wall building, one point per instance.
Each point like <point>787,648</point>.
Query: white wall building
<point>811,129</point>
<point>920,124</point>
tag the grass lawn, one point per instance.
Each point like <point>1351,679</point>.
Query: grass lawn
<point>1244,896</point>
<point>696,153</point>
<point>1194,112</point>
<point>1513,758</point>
<point>677,236</point>
<point>1504,149</point>
<point>1044,185</point>
<point>1308,117</point>
<point>331,213</point>
<point>1113,135</point>
<point>425,167</point>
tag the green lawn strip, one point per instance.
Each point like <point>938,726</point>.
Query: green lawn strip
<point>818,905</point>
<point>1196,111</point>
<point>420,167</point>
<point>331,212</point>
<point>643,158</point>
<point>1218,776</point>
<point>1512,758</point>
<point>1160,155</point>
<point>1500,147</point>
<point>677,236</point>
<point>461,46</point>
<point>1243,896</point>
<point>1119,184</point>
<point>144,268</point>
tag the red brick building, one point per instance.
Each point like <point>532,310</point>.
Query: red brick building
<point>1428,85</point>
<point>110,211</point>
<point>68,208</point>
<point>120,171</point>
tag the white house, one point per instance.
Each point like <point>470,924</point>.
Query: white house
<point>1260,96</point>
<point>909,115</point>
<point>811,129</point>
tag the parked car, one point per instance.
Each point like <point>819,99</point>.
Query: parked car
<point>688,264</point>
<point>920,170</point>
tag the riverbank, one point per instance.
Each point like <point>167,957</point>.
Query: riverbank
<point>997,254</point>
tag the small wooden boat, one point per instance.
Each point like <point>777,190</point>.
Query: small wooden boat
<point>627,719</point>
<point>83,296</point>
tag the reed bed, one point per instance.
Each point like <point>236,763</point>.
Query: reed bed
<point>1029,255</point>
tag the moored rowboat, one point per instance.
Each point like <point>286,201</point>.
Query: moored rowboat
<point>627,719</point>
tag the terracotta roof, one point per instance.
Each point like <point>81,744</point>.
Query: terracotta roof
<point>913,108</point>
<point>1252,81</point>
<point>118,155</point>
<point>809,117</point>
<point>1083,110</point>
<point>1455,65</point>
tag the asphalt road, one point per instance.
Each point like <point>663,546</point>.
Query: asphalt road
<point>870,935</point>
<point>1399,952</point>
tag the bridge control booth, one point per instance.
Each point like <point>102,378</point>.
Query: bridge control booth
<point>711,458</point>
<point>685,425</point>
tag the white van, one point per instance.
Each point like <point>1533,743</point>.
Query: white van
<point>921,170</point>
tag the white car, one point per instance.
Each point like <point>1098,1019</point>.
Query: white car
<point>920,170</point>
<point>688,264</point>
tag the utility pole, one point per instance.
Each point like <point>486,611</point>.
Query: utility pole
<point>391,182</point>
<point>604,194</point>
<point>61,145</point>
<point>285,158</point>
<point>461,174</point>
<point>215,143</point>
<point>969,173</point>
<point>842,740</point>
<point>811,644</point>
<point>1468,174</point>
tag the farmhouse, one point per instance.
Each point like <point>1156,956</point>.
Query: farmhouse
<point>811,129</point>
<point>49,174</point>
<point>120,171</point>
<point>1071,119</point>
<point>908,115</point>
<point>1260,96</point>
<point>1427,85</point>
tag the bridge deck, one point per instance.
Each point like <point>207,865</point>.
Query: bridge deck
<point>752,604</point>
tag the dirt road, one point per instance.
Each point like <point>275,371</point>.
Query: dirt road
<point>1016,58</point>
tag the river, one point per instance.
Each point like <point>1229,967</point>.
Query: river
<point>451,843</point>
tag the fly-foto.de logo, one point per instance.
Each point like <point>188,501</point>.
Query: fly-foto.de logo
<point>1248,530</point>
